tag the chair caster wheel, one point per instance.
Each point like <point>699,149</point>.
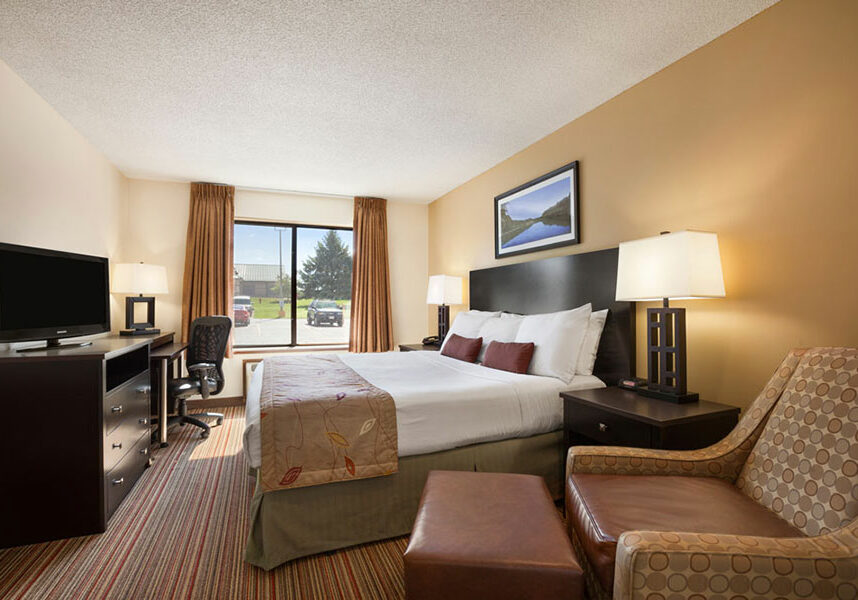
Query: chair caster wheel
<point>220,421</point>
<point>164,444</point>
<point>182,424</point>
<point>204,434</point>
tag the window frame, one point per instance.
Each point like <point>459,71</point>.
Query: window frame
<point>293,288</point>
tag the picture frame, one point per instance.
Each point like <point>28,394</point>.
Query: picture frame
<point>540,214</point>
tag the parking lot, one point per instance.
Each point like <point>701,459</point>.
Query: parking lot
<point>264,332</point>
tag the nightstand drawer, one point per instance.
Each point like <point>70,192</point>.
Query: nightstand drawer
<point>617,417</point>
<point>607,428</point>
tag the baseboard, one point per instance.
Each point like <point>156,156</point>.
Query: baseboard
<point>216,401</point>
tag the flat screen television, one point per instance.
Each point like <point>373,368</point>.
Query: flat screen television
<point>50,295</point>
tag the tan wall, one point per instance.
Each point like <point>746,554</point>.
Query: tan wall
<point>753,136</point>
<point>56,190</point>
<point>158,221</point>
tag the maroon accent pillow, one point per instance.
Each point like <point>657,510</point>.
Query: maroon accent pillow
<point>509,356</point>
<point>466,349</point>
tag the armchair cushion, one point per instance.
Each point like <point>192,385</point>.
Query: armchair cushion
<point>601,507</point>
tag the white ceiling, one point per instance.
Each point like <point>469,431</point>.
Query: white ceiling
<point>400,99</point>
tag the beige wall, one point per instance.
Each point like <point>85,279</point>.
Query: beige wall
<point>56,190</point>
<point>754,136</point>
<point>158,221</point>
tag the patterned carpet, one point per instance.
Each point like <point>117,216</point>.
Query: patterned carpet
<point>180,533</point>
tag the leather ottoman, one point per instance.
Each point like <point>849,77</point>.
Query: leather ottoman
<point>489,535</point>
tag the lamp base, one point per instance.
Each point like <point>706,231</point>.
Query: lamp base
<point>670,397</point>
<point>140,332</point>
<point>443,322</point>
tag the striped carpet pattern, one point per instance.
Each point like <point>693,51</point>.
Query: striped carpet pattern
<point>180,533</point>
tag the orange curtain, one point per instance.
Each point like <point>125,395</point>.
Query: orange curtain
<point>371,323</point>
<point>208,280</point>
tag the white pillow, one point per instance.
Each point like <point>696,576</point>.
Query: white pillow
<point>498,329</point>
<point>590,345</point>
<point>466,325</point>
<point>484,313</point>
<point>558,338</point>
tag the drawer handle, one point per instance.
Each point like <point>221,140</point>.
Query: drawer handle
<point>144,450</point>
<point>143,421</point>
<point>119,481</point>
<point>116,409</point>
<point>119,445</point>
<point>603,427</point>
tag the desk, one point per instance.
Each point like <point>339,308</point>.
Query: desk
<point>164,360</point>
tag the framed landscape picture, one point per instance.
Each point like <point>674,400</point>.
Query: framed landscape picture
<point>541,214</point>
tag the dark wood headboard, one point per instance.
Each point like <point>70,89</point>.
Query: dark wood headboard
<point>562,283</point>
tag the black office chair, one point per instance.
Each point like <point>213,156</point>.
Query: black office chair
<point>206,349</point>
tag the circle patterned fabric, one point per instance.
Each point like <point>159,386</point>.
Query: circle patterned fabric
<point>804,465</point>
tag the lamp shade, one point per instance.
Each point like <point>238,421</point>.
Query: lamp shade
<point>444,289</point>
<point>684,264</point>
<point>138,278</point>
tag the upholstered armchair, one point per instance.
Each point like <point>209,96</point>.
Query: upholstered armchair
<point>771,511</point>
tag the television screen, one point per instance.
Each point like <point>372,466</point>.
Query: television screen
<point>46,294</point>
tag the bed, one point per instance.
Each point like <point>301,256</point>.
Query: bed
<point>450,415</point>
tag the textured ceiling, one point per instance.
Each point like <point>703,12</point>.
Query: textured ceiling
<point>404,100</point>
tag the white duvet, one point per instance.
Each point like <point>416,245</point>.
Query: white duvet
<point>443,403</point>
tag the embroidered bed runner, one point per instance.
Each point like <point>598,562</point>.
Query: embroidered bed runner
<point>322,422</point>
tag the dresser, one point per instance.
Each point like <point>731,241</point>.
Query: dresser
<point>75,439</point>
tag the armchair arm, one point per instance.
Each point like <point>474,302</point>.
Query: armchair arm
<point>199,370</point>
<point>650,563</point>
<point>723,459</point>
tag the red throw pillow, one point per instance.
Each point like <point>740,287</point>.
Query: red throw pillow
<point>466,349</point>
<point>509,356</point>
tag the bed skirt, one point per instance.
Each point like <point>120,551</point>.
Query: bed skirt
<point>289,524</point>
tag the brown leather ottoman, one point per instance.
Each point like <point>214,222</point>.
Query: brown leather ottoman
<point>489,535</point>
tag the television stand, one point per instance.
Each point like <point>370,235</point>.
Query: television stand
<point>54,344</point>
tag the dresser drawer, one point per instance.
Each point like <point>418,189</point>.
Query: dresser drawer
<point>124,436</point>
<point>606,428</point>
<point>119,481</point>
<point>131,400</point>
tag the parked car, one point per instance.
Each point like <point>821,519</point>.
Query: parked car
<point>324,311</point>
<point>244,301</point>
<point>241,316</point>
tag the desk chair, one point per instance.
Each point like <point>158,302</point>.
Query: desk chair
<point>206,349</point>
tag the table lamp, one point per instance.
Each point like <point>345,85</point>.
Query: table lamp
<point>138,278</point>
<point>443,291</point>
<point>680,265</point>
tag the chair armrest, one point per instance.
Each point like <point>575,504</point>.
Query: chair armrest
<point>650,563</point>
<point>721,460</point>
<point>199,370</point>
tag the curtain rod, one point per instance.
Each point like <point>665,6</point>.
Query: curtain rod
<point>295,192</point>
<point>276,191</point>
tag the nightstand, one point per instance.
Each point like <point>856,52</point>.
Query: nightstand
<point>414,347</point>
<point>616,417</point>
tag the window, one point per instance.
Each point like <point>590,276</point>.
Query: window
<point>276,263</point>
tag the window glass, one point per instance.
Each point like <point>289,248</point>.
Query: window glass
<point>265,285</point>
<point>262,285</point>
<point>324,285</point>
